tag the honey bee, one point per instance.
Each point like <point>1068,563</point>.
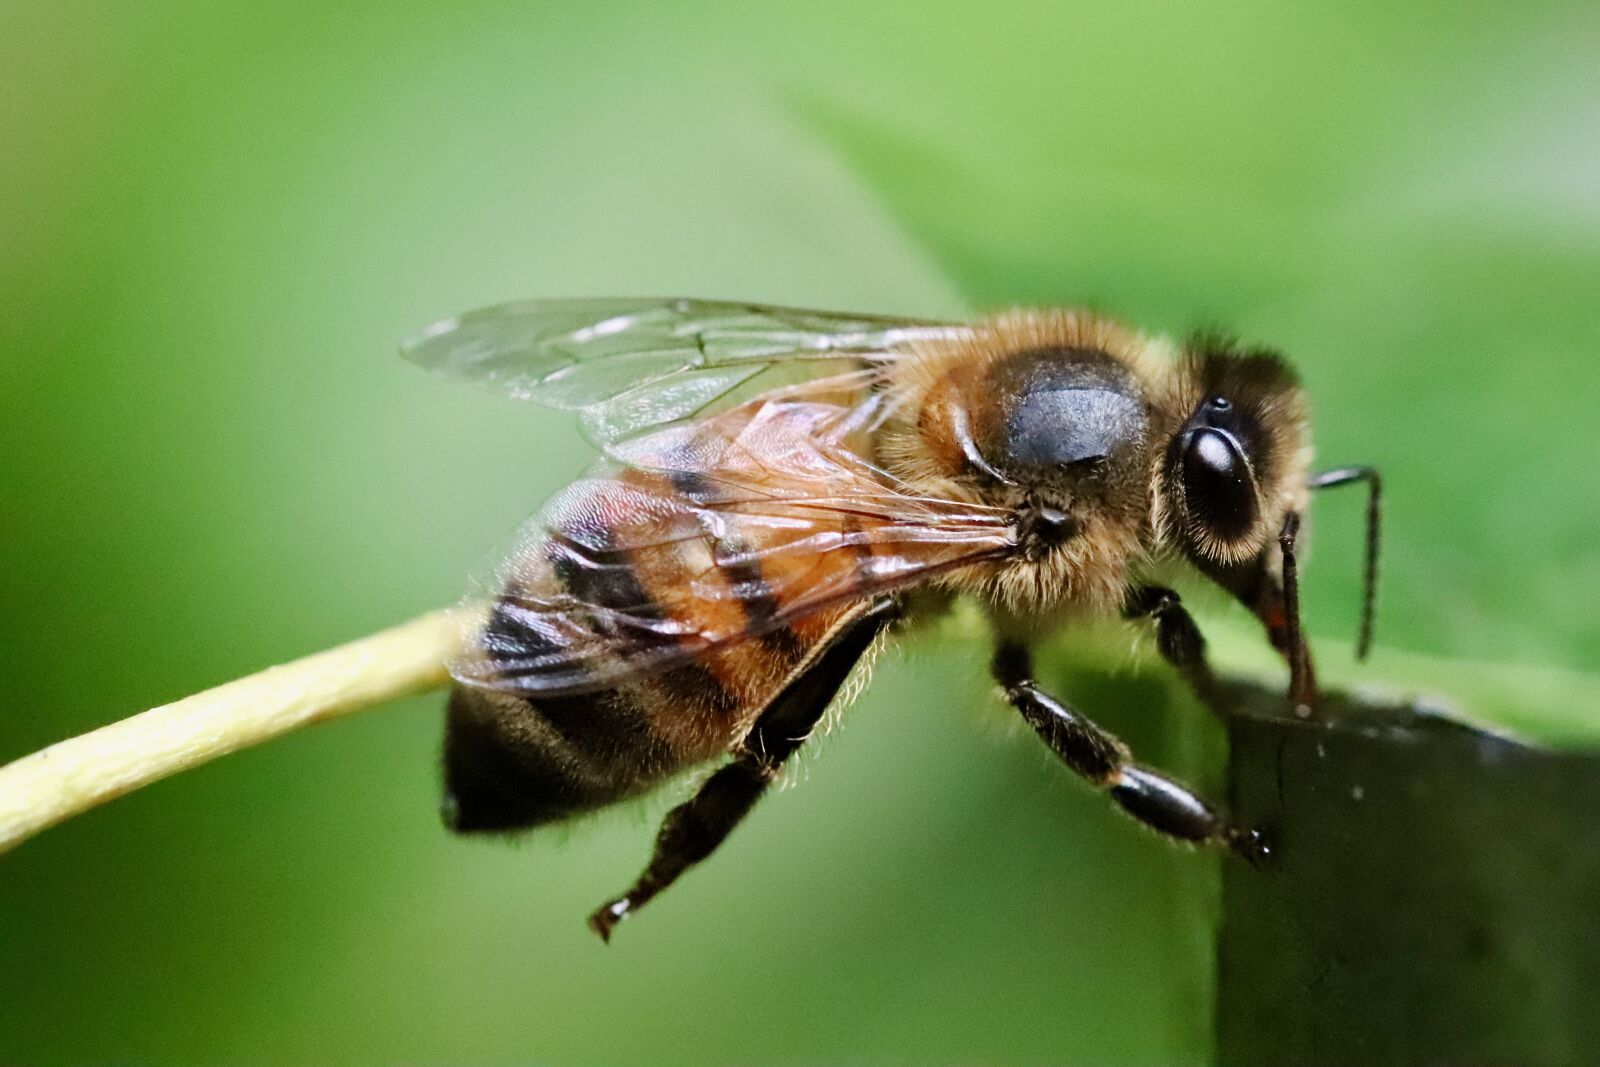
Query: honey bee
<point>778,488</point>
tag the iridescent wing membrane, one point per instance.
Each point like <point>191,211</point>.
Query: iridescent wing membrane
<point>737,496</point>
<point>630,365</point>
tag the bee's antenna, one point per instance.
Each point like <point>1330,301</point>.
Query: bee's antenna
<point>1369,596</point>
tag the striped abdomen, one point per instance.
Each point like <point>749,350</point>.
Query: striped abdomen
<point>636,568</point>
<point>659,610</point>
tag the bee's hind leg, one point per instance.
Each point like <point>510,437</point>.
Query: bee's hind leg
<point>1178,639</point>
<point>1164,805</point>
<point>693,830</point>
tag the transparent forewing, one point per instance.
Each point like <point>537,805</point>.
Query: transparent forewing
<point>707,534</point>
<point>629,365</point>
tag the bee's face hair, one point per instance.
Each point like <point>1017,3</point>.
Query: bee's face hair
<point>1237,463</point>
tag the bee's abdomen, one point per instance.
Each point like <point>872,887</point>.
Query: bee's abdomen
<point>516,758</point>
<point>510,762</point>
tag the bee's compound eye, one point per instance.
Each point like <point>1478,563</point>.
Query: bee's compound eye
<point>1217,487</point>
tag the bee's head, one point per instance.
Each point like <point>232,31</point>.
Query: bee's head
<point>1236,465</point>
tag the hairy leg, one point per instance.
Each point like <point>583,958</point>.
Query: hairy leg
<point>1161,803</point>
<point>1177,638</point>
<point>694,829</point>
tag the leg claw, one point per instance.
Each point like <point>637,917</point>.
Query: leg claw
<point>1253,846</point>
<point>608,915</point>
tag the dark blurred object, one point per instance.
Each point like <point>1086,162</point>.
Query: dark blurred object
<point>1435,895</point>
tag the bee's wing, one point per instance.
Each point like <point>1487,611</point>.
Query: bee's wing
<point>629,365</point>
<point>703,535</point>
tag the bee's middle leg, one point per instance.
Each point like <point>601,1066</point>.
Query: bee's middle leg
<point>1160,802</point>
<point>694,829</point>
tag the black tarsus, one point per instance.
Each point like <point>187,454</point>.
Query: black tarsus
<point>1369,594</point>
<point>1302,685</point>
<point>693,830</point>
<point>1159,802</point>
<point>1177,638</point>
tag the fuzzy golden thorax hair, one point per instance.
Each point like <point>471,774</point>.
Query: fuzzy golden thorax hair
<point>1077,423</point>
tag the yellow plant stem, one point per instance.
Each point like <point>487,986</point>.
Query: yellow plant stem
<point>72,776</point>
<point>69,778</point>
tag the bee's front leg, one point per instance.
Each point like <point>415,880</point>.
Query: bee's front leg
<point>1160,802</point>
<point>1177,638</point>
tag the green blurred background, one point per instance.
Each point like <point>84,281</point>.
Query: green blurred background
<point>217,220</point>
